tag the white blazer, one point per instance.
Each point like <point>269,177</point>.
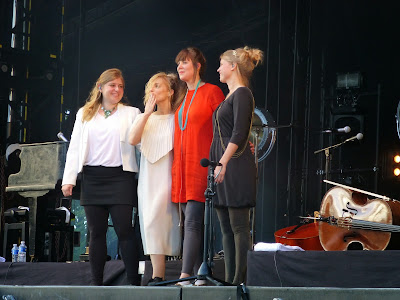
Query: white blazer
<point>78,146</point>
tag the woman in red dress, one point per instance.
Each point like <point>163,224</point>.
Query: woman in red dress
<point>192,140</point>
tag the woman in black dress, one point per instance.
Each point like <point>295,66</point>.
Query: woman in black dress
<point>236,182</point>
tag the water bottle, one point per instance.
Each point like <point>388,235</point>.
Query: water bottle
<point>14,253</point>
<point>22,252</point>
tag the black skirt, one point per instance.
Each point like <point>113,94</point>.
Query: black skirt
<point>108,186</point>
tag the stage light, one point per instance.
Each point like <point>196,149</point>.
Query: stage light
<point>348,87</point>
<point>392,164</point>
<point>396,167</point>
<point>349,81</point>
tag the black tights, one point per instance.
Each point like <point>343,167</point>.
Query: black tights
<point>97,220</point>
<point>235,229</point>
<point>193,236</point>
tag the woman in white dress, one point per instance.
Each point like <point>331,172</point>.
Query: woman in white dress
<point>154,130</point>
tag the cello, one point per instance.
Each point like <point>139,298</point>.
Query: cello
<point>304,235</point>
<point>349,220</point>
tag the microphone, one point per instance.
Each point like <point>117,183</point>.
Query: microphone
<point>61,137</point>
<point>345,129</point>
<point>205,163</point>
<point>359,136</point>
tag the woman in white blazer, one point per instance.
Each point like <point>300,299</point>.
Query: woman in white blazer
<point>100,150</point>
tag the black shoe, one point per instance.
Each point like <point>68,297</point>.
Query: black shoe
<point>154,281</point>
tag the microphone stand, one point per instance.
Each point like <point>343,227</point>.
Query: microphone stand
<point>253,209</point>
<point>205,272</point>
<point>274,126</point>
<point>328,157</point>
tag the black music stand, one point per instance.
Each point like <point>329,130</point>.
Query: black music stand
<point>205,272</point>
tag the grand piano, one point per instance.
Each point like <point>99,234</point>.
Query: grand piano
<point>42,166</point>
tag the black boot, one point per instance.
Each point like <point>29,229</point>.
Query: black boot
<point>154,281</point>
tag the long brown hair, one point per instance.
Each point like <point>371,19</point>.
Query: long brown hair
<point>93,102</point>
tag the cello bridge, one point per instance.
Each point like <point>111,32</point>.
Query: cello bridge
<point>345,222</point>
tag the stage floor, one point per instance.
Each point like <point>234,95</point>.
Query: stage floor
<point>370,275</point>
<point>343,269</point>
<point>78,273</point>
<point>193,293</point>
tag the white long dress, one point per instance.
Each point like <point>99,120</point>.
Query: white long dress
<point>158,216</point>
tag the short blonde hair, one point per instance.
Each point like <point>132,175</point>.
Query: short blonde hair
<point>246,59</point>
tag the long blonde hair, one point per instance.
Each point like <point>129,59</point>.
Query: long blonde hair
<point>246,59</point>
<point>172,82</point>
<point>93,102</point>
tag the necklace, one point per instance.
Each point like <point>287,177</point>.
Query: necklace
<point>181,126</point>
<point>238,152</point>
<point>107,112</point>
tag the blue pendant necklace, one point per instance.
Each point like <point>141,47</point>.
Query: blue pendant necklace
<point>107,112</point>
<point>180,121</point>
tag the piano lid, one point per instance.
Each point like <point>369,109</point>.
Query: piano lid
<point>42,165</point>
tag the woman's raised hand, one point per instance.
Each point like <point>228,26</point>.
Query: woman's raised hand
<point>150,104</point>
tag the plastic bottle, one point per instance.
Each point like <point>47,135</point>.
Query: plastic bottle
<point>22,252</point>
<point>14,253</point>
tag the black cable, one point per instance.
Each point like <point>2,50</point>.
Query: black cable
<point>8,269</point>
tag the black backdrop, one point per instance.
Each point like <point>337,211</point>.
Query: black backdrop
<point>306,44</point>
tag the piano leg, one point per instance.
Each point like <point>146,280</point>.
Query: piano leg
<point>32,226</point>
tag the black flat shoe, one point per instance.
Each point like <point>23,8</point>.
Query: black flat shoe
<point>154,281</point>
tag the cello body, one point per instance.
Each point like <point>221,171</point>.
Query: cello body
<point>305,236</point>
<point>345,204</point>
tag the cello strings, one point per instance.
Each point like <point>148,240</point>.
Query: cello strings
<point>368,225</point>
<point>376,226</point>
<point>359,224</point>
